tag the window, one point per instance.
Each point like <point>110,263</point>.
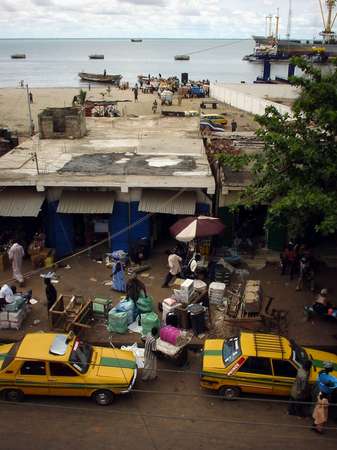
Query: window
<point>61,370</point>
<point>33,368</point>
<point>256,365</point>
<point>284,368</point>
<point>231,350</point>
<point>10,355</point>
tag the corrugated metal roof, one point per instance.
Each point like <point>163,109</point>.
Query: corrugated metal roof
<point>20,202</point>
<point>167,202</point>
<point>80,202</point>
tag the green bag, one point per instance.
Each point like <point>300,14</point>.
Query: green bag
<point>145,304</point>
<point>149,321</point>
<point>117,322</point>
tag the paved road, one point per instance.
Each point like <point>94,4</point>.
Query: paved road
<point>175,414</point>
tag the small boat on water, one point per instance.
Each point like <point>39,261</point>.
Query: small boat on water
<point>95,56</point>
<point>98,78</point>
<point>18,56</point>
<point>182,57</point>
<point>136,40</point>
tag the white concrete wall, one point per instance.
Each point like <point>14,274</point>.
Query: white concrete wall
<point>285,91</point>
<point>241,99</point>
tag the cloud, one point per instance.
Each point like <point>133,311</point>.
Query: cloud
<point>153,18</point>
<point>146,2</point>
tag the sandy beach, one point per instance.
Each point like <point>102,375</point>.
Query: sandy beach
<point>14,107</point>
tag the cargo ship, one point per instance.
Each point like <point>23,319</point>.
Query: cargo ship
<point>272,47</point>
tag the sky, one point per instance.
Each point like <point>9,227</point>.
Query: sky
<point>154,18</point>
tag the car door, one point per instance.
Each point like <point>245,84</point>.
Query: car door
<point>64,380</point>
<point>31,378</point>
<point>255,376</point>
<point>284,376</point>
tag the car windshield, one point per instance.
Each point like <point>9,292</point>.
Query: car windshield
<point>80,356</point>
<point>10,355</point>
<point>299,354</point>
<point>231,350</point>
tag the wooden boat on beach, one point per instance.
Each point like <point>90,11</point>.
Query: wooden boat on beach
<point>182,57</point>
<point>98,78</point>
<point>18,56</point>
<point>95,56</point>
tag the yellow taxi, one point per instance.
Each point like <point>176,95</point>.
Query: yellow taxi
<point>219,119</point>
<point>60,364</point>
<point>257,363</point>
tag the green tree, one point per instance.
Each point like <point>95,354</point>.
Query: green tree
<point>296,173</point>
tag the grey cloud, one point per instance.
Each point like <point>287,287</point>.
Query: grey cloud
<point>146,2</point>
<point>43,2</point>
<point>7,6</point>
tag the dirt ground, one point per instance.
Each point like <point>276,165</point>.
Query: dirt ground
<point>14,108</point>
<point>86,277</point>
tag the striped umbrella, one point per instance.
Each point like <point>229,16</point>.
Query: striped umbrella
<point>189,228</point>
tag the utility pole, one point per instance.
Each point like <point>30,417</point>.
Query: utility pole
<point>277,18</point>
<point>31,123</point>
<point>289,20</point>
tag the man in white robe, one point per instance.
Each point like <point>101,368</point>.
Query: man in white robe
<point>16,254</point>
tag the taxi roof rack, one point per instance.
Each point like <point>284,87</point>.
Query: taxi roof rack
<point>268,343</point>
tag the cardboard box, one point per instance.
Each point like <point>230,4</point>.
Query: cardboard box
<point>3,315</point>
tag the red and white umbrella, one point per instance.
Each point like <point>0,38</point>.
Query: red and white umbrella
<point>185,230</point>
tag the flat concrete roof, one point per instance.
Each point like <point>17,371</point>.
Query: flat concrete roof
<point>119,153</point>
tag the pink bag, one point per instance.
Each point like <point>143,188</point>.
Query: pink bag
<point>170,334</point>
<point>170,301</point>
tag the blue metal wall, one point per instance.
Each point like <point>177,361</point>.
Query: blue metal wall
<point>202,209</point>
<point>119,220</point>
<point>142,229</point>
<point>60,231</point>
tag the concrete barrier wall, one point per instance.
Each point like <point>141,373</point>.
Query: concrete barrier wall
<point>244,101</point>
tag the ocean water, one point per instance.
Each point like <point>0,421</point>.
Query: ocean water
<point>56,62</point>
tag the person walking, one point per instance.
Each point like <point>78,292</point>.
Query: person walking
<point>234,125</point>
<point>31,98</point>
<point>16,254</point>
<point>300,391</point>
<point>135,288</point>
<point>150,358</point>
<point>51,293</point>
<point>118,277</point>
<point>135,93</point>
<point>174,263</point>
<point>320,414</point>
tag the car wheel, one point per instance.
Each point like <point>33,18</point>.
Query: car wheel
<point>13,395</point>
<point>229,393</point>
<point>103,398</point>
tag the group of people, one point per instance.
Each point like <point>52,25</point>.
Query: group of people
<point>324,389</point>
<point>297,259</point>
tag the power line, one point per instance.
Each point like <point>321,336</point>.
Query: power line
<point>214,47</point>
<point>164,416</point>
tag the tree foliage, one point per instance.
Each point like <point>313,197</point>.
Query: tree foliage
<point>296,173</point>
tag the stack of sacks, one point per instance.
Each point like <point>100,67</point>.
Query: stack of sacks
<point>128,306</point>
<point>14,313</point>
<point>145,304</point>
<point>117,321</point>
<point>252,296</point>
<point>216,292</point>
<point>172,335</point>
<point>169,304</point>
<point>149,321</point>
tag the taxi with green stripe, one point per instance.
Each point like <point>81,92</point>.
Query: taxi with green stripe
<point>63,365</point>
<point>257,363</point>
